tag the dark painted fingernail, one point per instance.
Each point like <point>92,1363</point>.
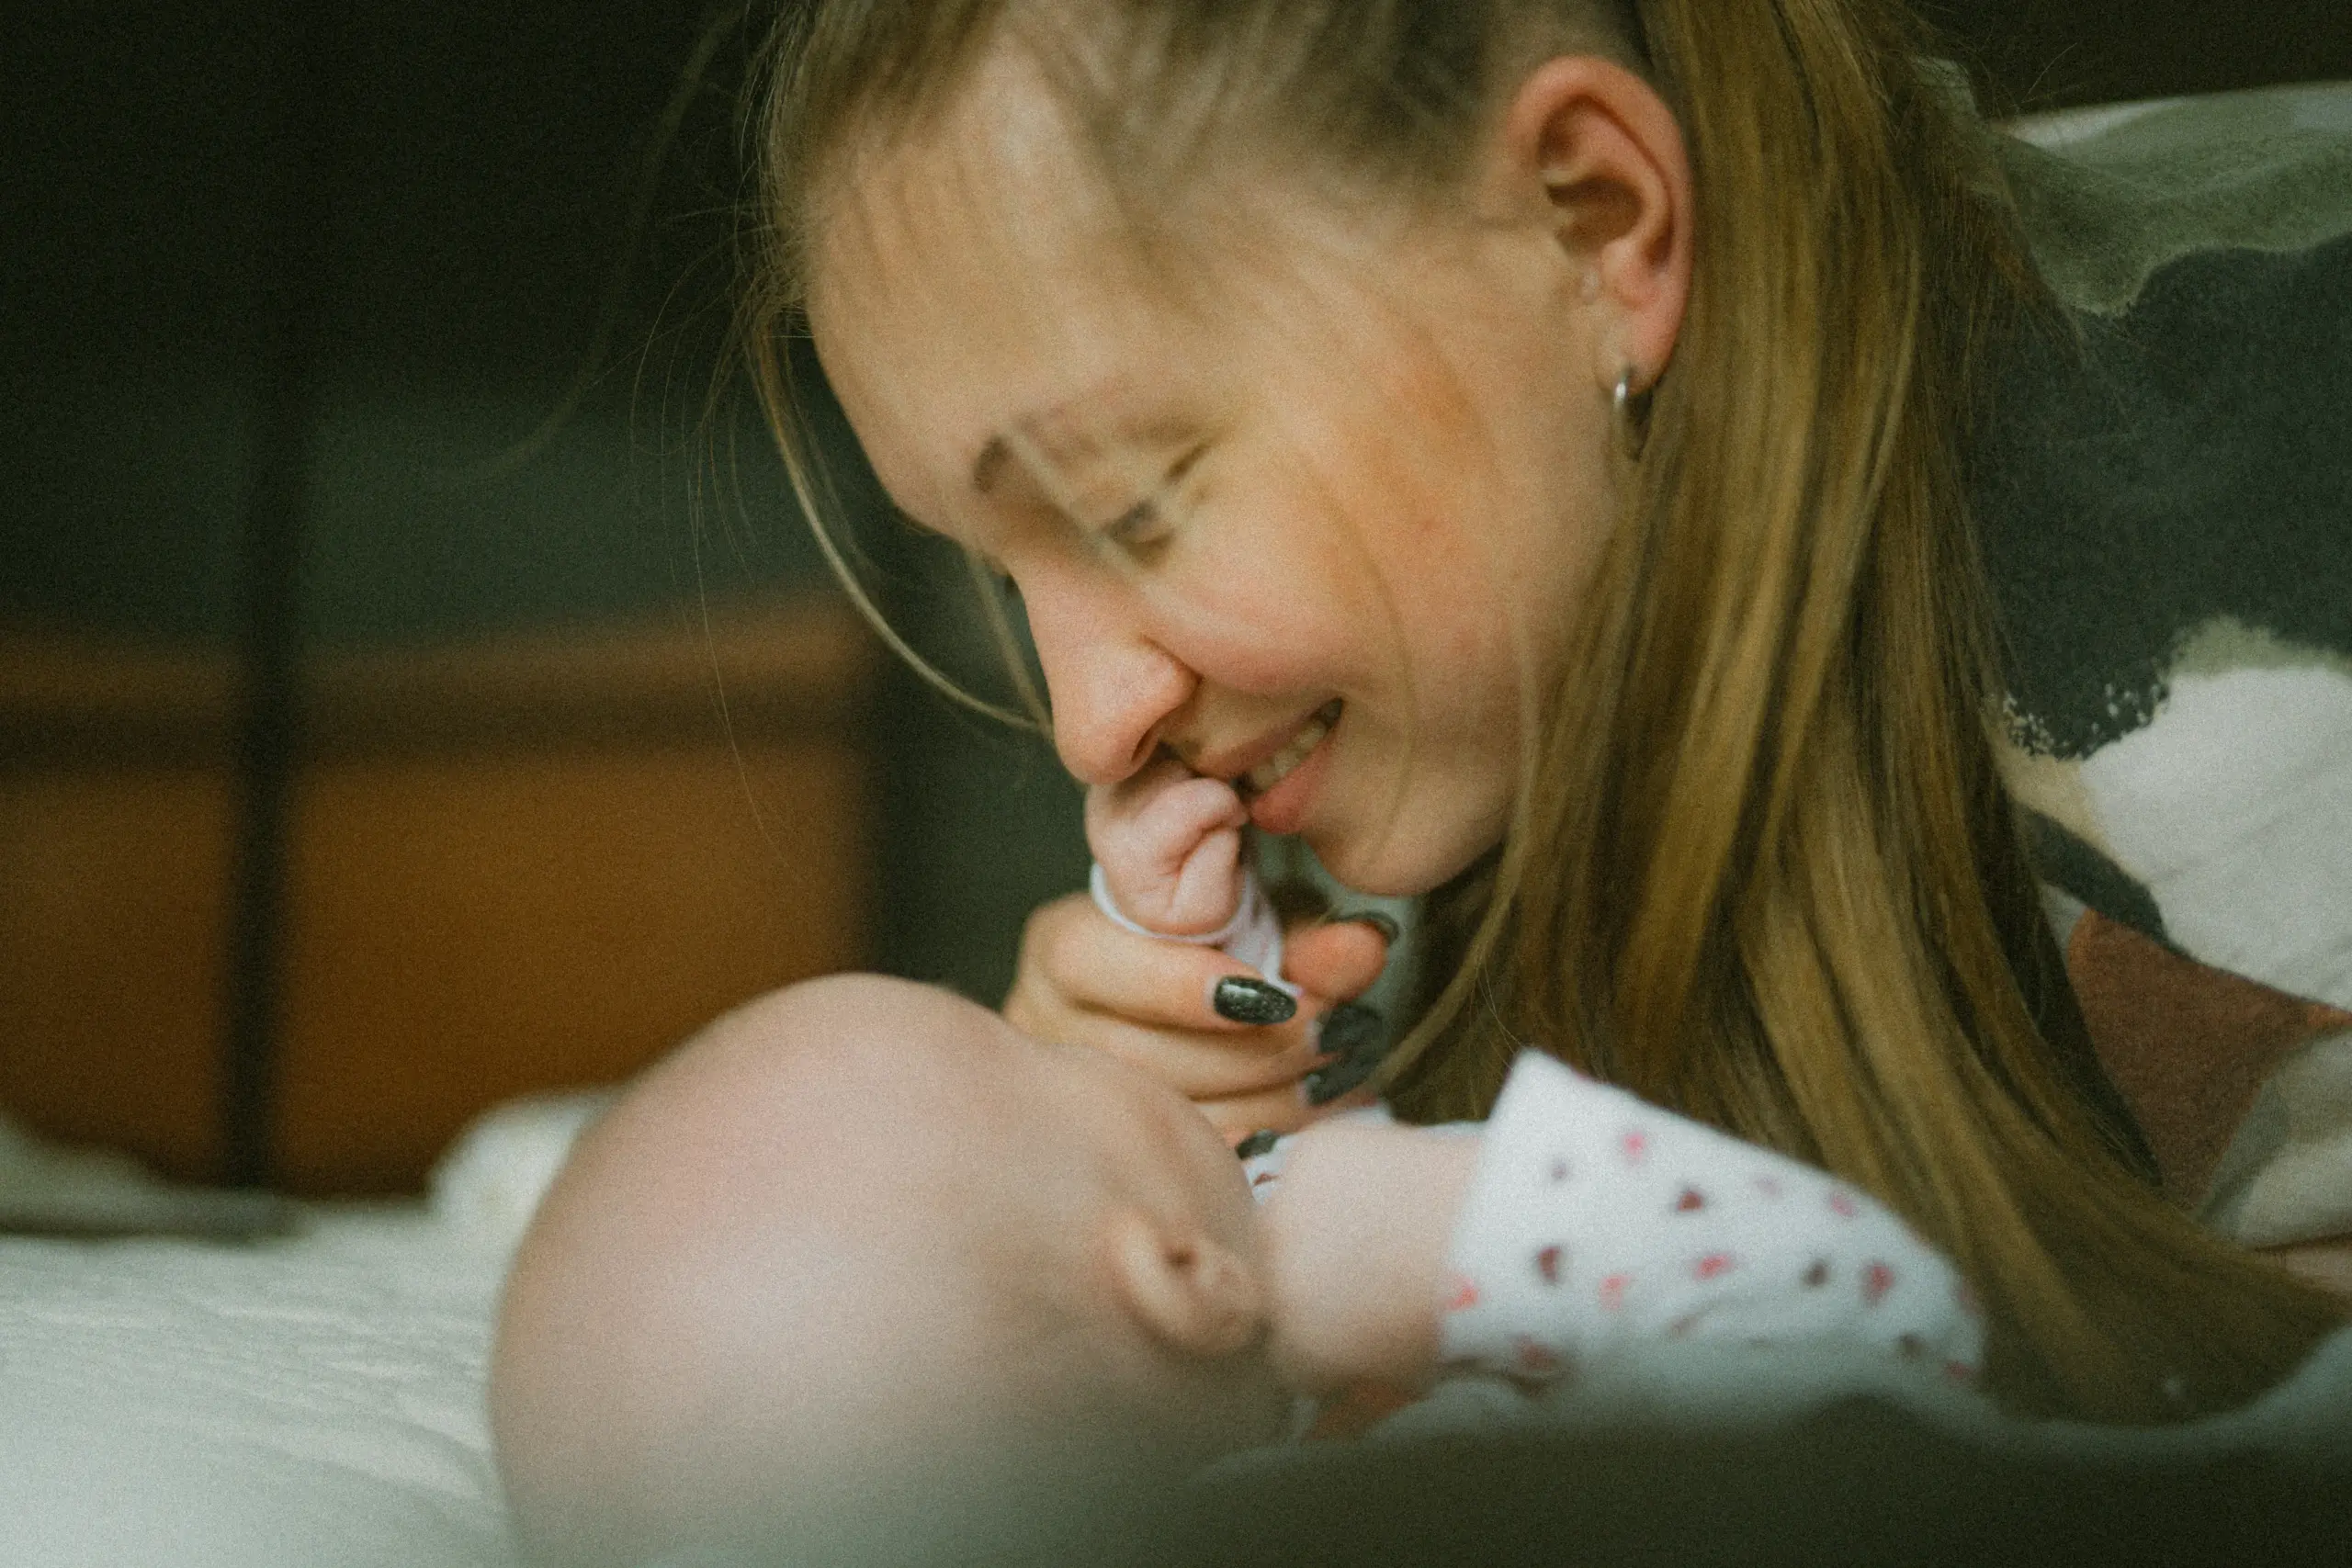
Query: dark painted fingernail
<point>1242,1000</point>
<point>1256,1144</point>
<point>1358,1036</point>
<point>1327,1084</point>
<point>1352,1029</point>
<point>1390,931</point>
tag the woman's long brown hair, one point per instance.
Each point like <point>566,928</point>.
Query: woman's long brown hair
<point>1765,872</point>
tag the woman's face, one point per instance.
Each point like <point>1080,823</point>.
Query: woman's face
<point>1310,504</point>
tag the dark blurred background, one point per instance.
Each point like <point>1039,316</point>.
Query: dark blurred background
<point>336,338</point>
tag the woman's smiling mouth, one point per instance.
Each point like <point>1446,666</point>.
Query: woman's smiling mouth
<point>1278,767</point>
<point>1276,809</point>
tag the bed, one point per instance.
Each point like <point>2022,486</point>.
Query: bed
<point>287,1386</point>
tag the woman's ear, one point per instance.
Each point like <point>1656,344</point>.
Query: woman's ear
<point>1591,148</point>
<point>1188,1290</point>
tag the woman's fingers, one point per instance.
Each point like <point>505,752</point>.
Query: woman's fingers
<point>1210,1066</point>
<point>1266,1110</point>
<point>1252,1057</point>
<point>1074,959</point>
<point>1339,959</point>
<point>1280,1109</point>
<point>1155,1004</point>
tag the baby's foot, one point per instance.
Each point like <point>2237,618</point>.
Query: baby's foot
<point>1169,845</point>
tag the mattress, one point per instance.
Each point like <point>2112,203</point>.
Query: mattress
<point>307,1398</point>
<point>315,1397</point>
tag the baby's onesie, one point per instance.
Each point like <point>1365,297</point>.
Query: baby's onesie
<point>1597,1225</point>
<point>1597,1222</point>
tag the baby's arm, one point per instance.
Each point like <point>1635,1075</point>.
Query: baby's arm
<point>1580,1221</point>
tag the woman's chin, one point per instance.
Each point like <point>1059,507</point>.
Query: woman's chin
<point>1401,864</point>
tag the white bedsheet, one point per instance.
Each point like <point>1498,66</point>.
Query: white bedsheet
<point>314,1401</point>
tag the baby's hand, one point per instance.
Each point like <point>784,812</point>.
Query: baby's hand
<point>1169,845</point>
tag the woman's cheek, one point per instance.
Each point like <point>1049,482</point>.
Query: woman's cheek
<point>1265,623</point>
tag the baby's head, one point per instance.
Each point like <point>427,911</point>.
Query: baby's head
<point>857,1254</point>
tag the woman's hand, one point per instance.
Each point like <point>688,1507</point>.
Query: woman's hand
<point>1184,1013</point>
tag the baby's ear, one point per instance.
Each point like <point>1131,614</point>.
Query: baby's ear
<point>1187,1290</point>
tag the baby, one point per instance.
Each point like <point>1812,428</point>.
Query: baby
<point>863,1258</point>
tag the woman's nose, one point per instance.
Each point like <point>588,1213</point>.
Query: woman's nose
<point>1112,688</point>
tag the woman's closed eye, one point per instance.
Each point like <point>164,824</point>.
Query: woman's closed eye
<point>1146,522</point>
<point>1138,527</point>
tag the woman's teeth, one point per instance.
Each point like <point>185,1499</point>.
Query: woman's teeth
<point>1276,768</point>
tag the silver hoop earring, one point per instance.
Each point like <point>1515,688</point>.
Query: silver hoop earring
<point>1629,415</point>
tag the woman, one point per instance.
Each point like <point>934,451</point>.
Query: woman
<point>1524,445</point>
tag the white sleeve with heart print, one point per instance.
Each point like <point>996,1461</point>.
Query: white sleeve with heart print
<point>1598,1223</point>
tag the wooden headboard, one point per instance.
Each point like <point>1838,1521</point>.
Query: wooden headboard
<point>511,867</point>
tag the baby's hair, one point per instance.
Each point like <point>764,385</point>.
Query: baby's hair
<point>1763,869</point>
